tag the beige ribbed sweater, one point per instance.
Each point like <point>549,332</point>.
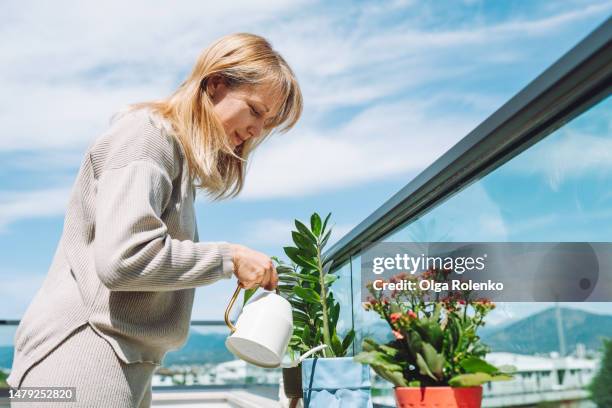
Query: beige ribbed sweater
<point>128,259</point>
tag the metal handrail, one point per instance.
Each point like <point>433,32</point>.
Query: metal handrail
<point>15,322</point>
<point>574,83</point>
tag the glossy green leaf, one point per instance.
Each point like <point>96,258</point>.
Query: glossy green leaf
<point>334,314</point>
<point>305,277</point>
<point>310,263</point>
<point>303,244</point>
<point>435,361</point>
<point>423,367</point>
<point>388,370</point>
<point>476,379</point>
<point>390,351</point>
<point>305,232</point>
<point>315,224</point>
<point>369,344</point>
<point>283,269</point>
<point>308,295</point>
<point>336,344</point>
<point>325,238</point>
<point>348,340</point>
<point>306,334</point>
<point>325,223</point>
<point>294,254</point>
<point>477,365</point>
<point>329,279</point>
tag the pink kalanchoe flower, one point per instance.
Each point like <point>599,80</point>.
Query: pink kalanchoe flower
<point>398,335</point>
<point>411,314</point>
<point>395,317</point>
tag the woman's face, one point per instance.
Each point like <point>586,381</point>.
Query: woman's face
<point>244,111</point>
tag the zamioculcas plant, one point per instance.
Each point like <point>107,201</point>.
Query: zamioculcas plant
<point>306,284</point>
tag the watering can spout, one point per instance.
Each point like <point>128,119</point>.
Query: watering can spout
<point>263,329</point>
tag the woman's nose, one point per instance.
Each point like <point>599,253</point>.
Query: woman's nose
<point>254,130</point>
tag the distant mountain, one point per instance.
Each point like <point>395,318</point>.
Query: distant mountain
<point>538,333</point>
<point>199,349</point>
<point>534,334</point>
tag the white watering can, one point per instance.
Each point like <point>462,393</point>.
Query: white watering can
<point>262,331</point>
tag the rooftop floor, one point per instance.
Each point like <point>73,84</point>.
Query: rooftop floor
<point>212,399</point>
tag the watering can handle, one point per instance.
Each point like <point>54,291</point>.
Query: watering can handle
<point>228,322</point>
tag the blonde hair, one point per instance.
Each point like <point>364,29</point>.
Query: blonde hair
<point>239,59</point>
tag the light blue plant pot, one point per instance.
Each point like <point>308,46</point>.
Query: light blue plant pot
<point>336,383</point>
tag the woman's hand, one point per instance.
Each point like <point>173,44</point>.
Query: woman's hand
<point>253,268</point>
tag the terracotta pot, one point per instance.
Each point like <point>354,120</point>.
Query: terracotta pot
<point>438,397</point>
<point>292,382</point>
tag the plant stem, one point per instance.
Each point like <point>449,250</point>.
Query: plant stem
<point>323,294</point>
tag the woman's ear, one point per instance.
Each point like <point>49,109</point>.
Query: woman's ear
<point>215,87</point>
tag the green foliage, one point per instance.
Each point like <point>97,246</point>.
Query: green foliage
<point>3,377</point>
<point>601,392</point>
<point>306,285</point>
<point>435,339</point>
<point>548,404</point>
<point>248,293</point>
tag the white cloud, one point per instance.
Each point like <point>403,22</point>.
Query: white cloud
<point>42,117</point>
<point>407,38</point>
<point>472,215</point>
<point>338,231</point>
<point>61,91</point>
<point>16,205</point>
<point>58,94</point>
<point>268,232</point>
<point>64,79</point>
<point>570,155</point>
<point>277,232</point>
<point>382,141</point>
<point>367,62</point>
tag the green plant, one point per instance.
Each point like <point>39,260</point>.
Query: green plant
<point>601,393</point>
<point>306,284</point>
<point>435,343</point>
<point>3,378</point>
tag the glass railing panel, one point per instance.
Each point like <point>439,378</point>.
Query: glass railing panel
<point>204,361</point>
<point>341,289</point>
<point>557,190</point>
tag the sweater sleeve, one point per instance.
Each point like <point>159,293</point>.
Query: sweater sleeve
<point>132,248</point>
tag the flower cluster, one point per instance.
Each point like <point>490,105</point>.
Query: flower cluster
<point>432,337</point>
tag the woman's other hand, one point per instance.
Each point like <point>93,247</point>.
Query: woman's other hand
<point>253,268</point>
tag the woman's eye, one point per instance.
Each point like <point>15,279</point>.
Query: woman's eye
<point>254,112</point>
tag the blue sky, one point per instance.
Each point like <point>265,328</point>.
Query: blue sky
<point>388,87</point>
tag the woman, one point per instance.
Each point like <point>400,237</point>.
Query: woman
<point>120,290</point>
